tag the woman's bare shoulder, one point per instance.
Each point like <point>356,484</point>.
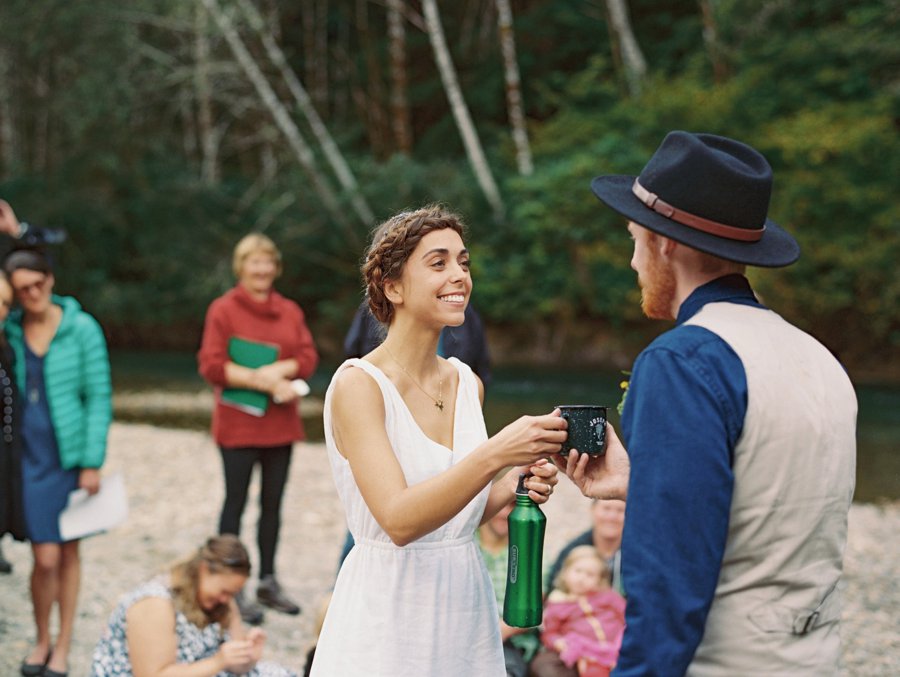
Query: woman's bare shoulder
<point>355,391</point>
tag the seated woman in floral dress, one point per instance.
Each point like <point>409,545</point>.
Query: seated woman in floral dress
<point>187,622</point>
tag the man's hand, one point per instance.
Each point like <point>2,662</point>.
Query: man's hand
<point>603,476</point>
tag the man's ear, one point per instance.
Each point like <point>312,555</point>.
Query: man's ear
<point>666,245</point>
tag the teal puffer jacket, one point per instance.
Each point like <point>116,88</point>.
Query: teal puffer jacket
<point>76,374</point>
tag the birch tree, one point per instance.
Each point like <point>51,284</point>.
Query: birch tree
<point>633,61</point>
<point>206,132</point>
<point>461,114</point>
<point>304,102</point>
<point>514,104</point>
<point>279,113</point>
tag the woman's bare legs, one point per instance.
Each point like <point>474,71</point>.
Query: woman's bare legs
<point>55,579</point>
<point>44,592</point>
<point>69,584</point>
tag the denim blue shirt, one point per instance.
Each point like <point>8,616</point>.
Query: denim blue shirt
<point>683,416</point>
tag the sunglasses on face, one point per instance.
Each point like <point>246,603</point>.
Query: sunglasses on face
<point>27,289</point>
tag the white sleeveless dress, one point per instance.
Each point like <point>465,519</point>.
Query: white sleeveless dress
<point>426,609</point>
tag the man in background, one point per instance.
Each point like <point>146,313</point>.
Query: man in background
<point>605,534</point>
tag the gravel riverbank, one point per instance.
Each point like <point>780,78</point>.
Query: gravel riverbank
<point>175,490</point>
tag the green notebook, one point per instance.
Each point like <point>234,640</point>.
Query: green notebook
<point>250,354</point>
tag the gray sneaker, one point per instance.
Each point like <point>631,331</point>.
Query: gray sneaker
<point>270,594</point>
<point>5,564</point>
<point>251,613</point>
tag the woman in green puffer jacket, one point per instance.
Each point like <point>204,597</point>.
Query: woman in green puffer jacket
<point>62,370</point>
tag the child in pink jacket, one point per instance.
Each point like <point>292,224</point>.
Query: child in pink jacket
<point>584,618</point>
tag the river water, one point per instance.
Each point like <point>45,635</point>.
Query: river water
<point>517,391</point>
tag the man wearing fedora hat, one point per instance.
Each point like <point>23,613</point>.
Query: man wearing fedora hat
<point>739,429</point>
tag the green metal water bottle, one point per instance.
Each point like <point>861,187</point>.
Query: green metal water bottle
<point>523,605</point>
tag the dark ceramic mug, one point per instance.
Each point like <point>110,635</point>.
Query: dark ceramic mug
<point>587,428</point>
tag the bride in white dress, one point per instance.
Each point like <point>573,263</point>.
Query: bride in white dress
<point>417,473</point>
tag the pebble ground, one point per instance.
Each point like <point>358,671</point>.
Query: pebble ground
<point>174,483</point>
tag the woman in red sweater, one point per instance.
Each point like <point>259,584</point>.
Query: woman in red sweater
<point>254,312</point>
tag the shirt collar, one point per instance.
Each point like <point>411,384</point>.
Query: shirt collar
<point>730,288</point>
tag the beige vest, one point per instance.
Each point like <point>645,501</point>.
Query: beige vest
<point>777,605</point>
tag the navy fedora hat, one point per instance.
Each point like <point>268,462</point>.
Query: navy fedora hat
<point>708,192</point>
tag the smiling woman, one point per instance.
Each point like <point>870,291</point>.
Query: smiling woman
<point>415,471</point>
<point>60,357</point>
<point>276,348</point>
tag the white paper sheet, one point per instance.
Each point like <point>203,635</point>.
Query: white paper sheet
<point>85,515</point>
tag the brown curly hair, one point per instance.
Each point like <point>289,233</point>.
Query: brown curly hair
<point>393,242</point>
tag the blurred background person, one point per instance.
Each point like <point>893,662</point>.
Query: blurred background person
<point>605,534</point>
<point>254,311</point>
<point>60,357</point>
<point>186,622</point>
<point>12,517</point>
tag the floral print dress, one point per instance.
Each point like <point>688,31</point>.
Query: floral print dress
<point>111,657</point>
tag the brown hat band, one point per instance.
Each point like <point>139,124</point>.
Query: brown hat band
<point>697,222</point>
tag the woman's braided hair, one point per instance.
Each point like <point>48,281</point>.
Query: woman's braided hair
<point>393,242</point>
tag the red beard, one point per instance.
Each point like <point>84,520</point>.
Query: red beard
<point>657,288</point>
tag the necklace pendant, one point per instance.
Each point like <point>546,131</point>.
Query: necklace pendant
<point>439,404</point>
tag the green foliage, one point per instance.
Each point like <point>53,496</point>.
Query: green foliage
<point>105,118</point>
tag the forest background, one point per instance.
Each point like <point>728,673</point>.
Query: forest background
<point>158,132</point>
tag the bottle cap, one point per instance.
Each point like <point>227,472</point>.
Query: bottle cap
<point>521,490</point>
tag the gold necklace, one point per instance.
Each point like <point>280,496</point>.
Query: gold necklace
<point>439,402</point>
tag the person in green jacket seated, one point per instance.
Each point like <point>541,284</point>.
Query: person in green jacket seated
<point>62,370</point>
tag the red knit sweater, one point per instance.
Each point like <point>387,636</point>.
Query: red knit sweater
<point>276,320</point>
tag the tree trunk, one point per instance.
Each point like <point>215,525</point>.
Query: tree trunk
<point>375,117</point>
<point>401,121</point>
<point>632,58</point>
<point>9,155</point>
<point>321,62</point>
<point>460,111</point>
<point>41,147</point>
<point>320,131</point>
<point>282,118</point>
<point>711,39</point>
<point>208,139</point>
<point>308,21</point>
<point>513,87</point>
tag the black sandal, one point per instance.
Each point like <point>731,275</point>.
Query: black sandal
<point>35,669</point>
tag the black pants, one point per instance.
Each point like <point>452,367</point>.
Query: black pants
<point>238,464</point>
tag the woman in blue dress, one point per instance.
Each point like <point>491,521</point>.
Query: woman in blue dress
<point>62,371</point>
